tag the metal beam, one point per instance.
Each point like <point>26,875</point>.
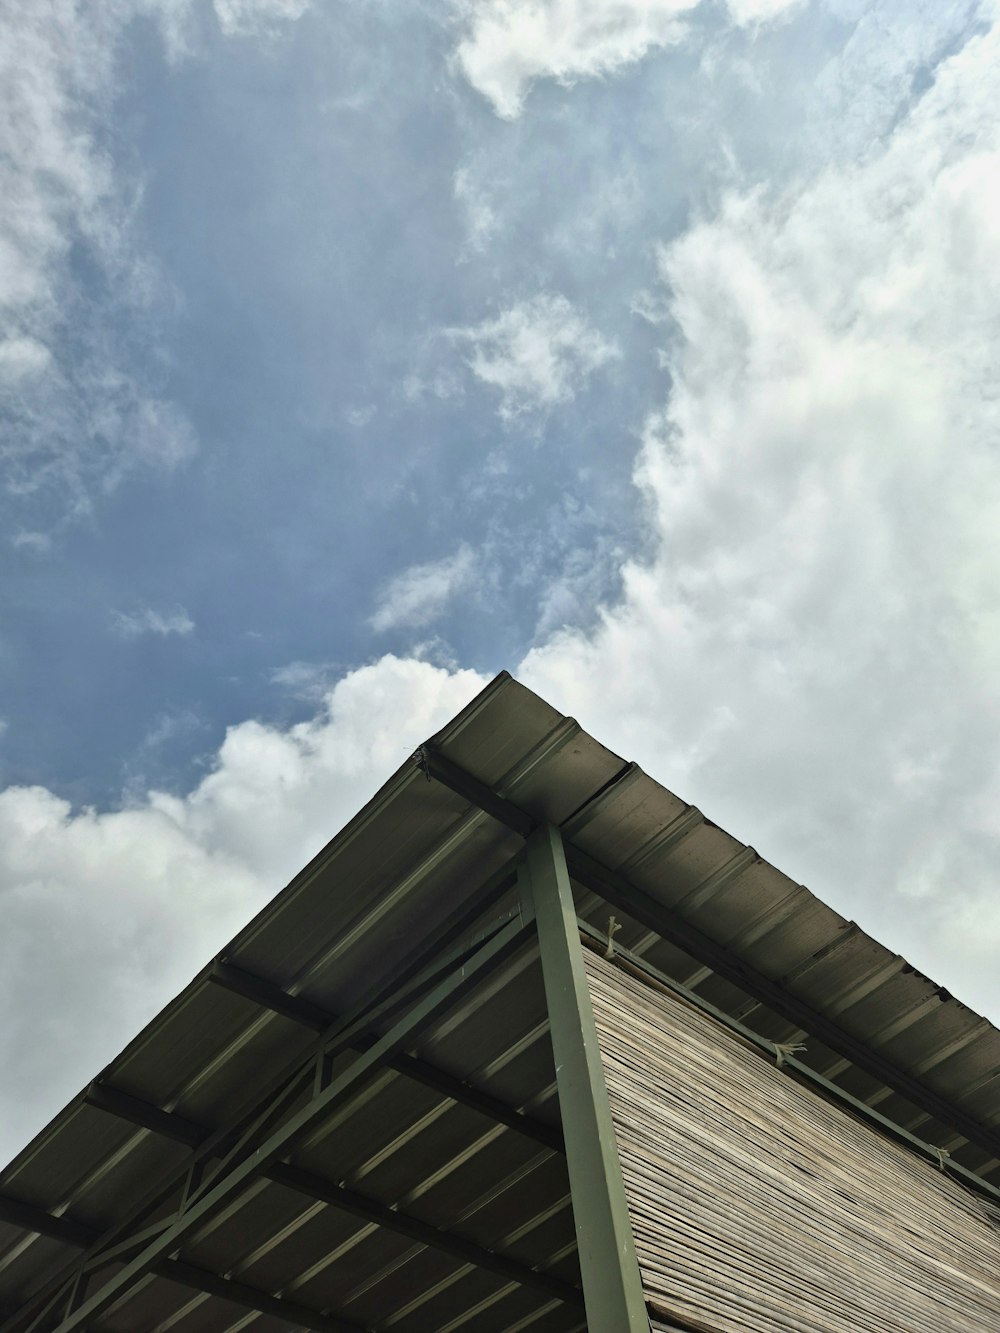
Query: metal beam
<point>144,1114</point>
<point>269,996</point>
<point>449,932</point>
<point>122,1240</point>
<point>619,892</point>
<point>359,1022</point>
<point>66,1229</point>
<point>612,1284</point>
<point>251,1298</point>
<point>465,1094</point>
<point>310,1015</point>
<point>650,975</point>
<point>216,1142</point>
<point>648,912</point>
<point>435,765</point>
<point>370,1210</point>
<point>71,1232</point>
<point>315,1187</point>
<point>283,1139</point>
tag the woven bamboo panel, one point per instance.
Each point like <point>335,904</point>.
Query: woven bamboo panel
<point>757,1205</point>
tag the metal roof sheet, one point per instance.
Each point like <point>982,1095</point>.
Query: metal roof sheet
<point>744,937</point>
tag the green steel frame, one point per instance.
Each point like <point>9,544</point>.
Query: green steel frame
<point>650,975</point>
<point>618,892</point>
<point>612,1285</point>
<point>254,1150</point>
<point>225,1162</point>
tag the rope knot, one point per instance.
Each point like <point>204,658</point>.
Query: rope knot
<point>613,928</point>
<point>782,1050</point>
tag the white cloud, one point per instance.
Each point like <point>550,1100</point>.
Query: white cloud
<point>749,12</point>
<point>75,421</point>
<point>536,353</point>
<point>141,898</point>
<point>133,624</point>
<point>509,44</point>
<point>814,653</point>
<point>419,595</point>
<point>480,216</point>
<point>257,17</point>
<point>359,417</point>
<point>304,680</point>
<point>891,50</point>
<point>39,542</point>
<point>22,357</point>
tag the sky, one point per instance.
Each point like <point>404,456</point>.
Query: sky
<point>352,352</point>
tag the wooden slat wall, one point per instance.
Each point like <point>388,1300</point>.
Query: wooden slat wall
<point>757,1205</point>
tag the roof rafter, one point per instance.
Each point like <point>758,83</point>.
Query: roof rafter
<point>619,892</point>
<point>311,1015</point>
<point>280,1141</point>
<point>79,1234</point>
<point>302,1182</point>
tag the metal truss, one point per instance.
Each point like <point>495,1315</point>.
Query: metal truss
<point>616,890</point>
<point>225,1163</point>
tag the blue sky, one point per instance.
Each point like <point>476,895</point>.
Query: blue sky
<point>352,352</point>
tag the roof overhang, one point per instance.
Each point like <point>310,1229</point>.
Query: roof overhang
<point>425,873</point>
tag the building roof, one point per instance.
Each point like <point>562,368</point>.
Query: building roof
<point>438,1197</point>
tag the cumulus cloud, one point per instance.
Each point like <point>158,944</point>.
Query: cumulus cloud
<point>536,353</point>
<point>419,595</point>
<point>814,652</point>
<point>133,624</point>
<point>141,898</point>
<point>509,44</point>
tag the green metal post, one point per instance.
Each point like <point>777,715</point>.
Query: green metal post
<point>612,1286</point>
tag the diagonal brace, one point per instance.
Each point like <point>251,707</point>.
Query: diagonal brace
<point>282,1140</point>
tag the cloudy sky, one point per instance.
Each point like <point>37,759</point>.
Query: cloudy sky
<point>350,352</point>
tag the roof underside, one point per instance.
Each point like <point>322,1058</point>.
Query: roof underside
<point>437,1197</point>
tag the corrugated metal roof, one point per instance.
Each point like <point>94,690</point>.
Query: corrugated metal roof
<point>461,1132</point>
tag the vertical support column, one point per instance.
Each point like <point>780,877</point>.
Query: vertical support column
<point>612,1286</point>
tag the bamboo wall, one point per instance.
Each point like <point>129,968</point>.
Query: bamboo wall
<point>757,1205</point>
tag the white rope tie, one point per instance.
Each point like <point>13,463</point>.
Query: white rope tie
<point>613,928</point>
<point>782,1050</point>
